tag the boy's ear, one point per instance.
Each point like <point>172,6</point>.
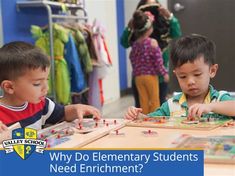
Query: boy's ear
<point>213,70</point>
<point>7,86</point>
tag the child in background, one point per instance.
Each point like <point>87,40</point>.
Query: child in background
<point>193,59</point>
<point>24,71</point>
<point>165,27</point>
<point>146,60</point>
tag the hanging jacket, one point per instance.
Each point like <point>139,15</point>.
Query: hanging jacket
<point>76,74</point>
<point>62,79</point>
<point>83,51</point>
<point>96,97</point>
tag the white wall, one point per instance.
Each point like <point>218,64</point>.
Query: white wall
<point>105,12</point>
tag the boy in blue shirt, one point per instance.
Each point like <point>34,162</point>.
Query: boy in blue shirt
<point>193,60</point>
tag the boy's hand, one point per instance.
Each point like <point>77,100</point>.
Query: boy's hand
<point>197,110</point>
<point>132,113</point>
<point>3,127</point>
<point>77,111</point>
<point>83,110</point>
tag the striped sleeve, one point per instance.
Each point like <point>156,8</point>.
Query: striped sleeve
<point>53,112</point>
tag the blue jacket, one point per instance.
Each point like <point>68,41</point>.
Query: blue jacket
<point>74,65</point>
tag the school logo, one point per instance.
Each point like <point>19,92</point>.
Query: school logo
<point>24,142</point>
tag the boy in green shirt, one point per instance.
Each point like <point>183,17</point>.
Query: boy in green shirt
<point>193,59</point>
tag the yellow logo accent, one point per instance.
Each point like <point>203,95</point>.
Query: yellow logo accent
<point>24,141</point>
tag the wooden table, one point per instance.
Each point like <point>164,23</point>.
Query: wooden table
<point>134,138</point>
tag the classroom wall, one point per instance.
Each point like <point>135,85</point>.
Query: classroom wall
<point>1,34</point>
<point>121,50</point>
<point>105,12</point>
<point>16,24</point>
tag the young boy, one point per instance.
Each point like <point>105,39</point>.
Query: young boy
<point>193,60</point>
<point>24,71</point>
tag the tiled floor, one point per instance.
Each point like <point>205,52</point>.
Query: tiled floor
<point>118,108</point>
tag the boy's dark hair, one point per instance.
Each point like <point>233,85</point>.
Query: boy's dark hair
<point>18,57</point>
<point>191,47</point>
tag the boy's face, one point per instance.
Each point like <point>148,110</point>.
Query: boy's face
<point>194,78</point>
<point>31,87</point>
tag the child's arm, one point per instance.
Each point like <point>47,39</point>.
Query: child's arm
<point>3,127</point>
<point>223,107</point>
<point>159,60</point>
<point>132,113</point>
<point>77,111</point>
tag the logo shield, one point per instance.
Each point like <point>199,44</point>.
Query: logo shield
<point>24,150</point>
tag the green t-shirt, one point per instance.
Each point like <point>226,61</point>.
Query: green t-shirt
<point>177,105</point>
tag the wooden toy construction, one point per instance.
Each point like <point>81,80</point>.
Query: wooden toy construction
<point>75,134</point>
<point>144,137</point>
<point>208,123</point>
<point>108,134</point>
<point>218,149</point>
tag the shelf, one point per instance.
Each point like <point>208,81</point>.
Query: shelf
<point>50,3</point>
<point>55,5</point>
<point>69,17</point>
